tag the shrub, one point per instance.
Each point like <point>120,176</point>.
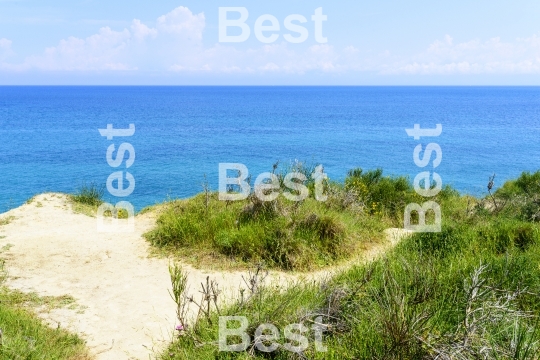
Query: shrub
<point>326,230</point>
<point>284,234</point>
<point>505,234</point>
<point>529,183</point>
<point>90,194</point>
<point>381,194</point>
<point>521,197</point>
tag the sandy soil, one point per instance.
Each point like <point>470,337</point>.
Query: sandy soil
<point>123,309</point>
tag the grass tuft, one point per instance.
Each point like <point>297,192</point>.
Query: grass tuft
<point>6,220</point>
<point>89,194</point>
<point>24,336</point>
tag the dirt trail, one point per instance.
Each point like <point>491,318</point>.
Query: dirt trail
<point>123,308</point>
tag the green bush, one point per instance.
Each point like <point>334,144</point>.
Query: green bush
<point>521,197</point>
<point>284,234</point>
<point>89,194</point>
<point>505,234</point>
<point>529,183</point>
<point>293,235</point>
<point>380,194</point>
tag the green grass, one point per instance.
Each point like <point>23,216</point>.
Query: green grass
<point>87,199</point>
<point>24,336</point>
<point>17,298</point>
<point>285,234</point>
<point>473,287</point>
<point>89,194</point>
<point>281,233</point>
<point>84,209</point>
<point>6,220</point>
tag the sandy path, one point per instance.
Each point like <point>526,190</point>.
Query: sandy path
<point>123,310</point>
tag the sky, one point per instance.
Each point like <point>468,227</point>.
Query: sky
<point>384,42</point>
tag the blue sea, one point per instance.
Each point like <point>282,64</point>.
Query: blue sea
<point>49,138</point>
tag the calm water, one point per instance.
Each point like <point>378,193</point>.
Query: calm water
<point>49,139</point>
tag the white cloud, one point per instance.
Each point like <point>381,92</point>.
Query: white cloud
<point>182,21</point>
<point>101,51</point>
<point>5,44</point>
<point>5,48</point>
<point>120,50</point>
<point>276,58</point>
<point>270,67</point>
<point>174,43</point>
<point>140,31</point>
<point>475,57</point>
<point>351,50</point>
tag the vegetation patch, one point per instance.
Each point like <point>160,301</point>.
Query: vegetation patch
<point>285,234</point>
<point>24,336</point>
<point>468,292</point>
<point>32,300</point>
<point>87,199</point>
<point>6,220</point>
<point>89,194</point>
